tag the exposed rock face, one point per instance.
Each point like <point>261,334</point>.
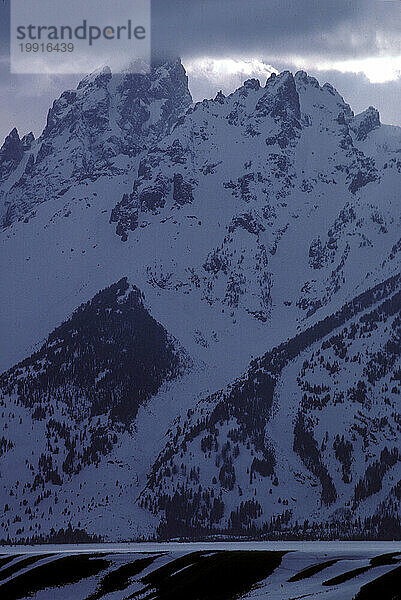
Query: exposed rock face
<point>182,191</point>
<point>280,100</point>
<point>365,122</point>
<point>11,154</point>
<point>27,141</point>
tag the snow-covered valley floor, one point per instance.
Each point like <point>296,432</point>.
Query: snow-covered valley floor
<point>203,571</point>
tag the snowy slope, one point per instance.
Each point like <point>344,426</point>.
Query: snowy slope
<point>309,434</point>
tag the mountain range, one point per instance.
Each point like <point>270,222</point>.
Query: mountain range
<point>200,314</point>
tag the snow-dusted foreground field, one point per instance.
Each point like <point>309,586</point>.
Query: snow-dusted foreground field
<point>203,571</point>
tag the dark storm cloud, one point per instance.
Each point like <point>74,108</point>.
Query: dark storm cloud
<point>335,28</point>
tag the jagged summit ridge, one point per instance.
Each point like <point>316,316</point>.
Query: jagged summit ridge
<point>257,146</point>
<point>94,131</point>
<point>275,108</point>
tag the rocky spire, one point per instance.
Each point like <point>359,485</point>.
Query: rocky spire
<point>11,154</point>
<point>27,141</point>
<point>365,122</point>
<point>281,99</point>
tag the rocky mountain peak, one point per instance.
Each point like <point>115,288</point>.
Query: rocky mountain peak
<point>97,77</point>
<point>13,135</point>
<point>253,84</point>
<point>96,130</point>
<point>280,100</point>
<point>27,141</point>
<point>129,93</point>
<point>220,97</point>
<point>172,73</point>
<point>11,154</point>
<point>365,122</point>
<point>301,77</point>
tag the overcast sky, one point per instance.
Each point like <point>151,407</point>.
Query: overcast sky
<point>355,45</point>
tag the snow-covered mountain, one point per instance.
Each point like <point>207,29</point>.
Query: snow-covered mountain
<point>151,250</point>
<point>91,132</point>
